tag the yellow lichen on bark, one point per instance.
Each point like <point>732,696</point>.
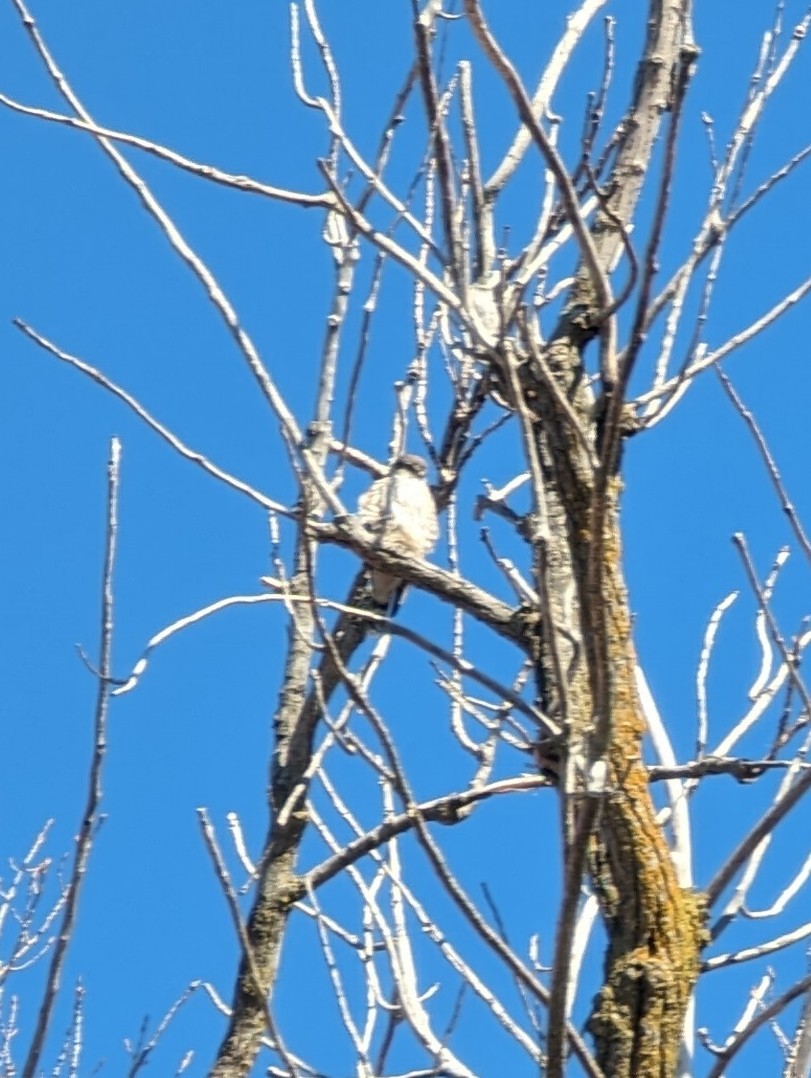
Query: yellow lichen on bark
<point>655,927</point>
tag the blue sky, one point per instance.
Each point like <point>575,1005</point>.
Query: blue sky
<point>87,268</point>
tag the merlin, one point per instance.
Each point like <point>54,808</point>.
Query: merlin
<point>400,510</point>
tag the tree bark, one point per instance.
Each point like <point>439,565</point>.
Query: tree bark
<point>294,725</point>
<point>586,661</point>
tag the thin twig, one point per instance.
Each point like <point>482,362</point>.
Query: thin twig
<point>765,825</point>
<point>766,1015</point>
<point>324,201</point>
<point>441,155</point>
<point>90,818</point>
<point>481,210</point>
<point>145,1051</point>
<point>447,809</point>
<point>289,428</point>
<point>747,954</point>
<point>788,658</point>
<point>774,474</point>
<point>171,439</point>
<point>710,359</point>
<point>708,643</point>
<point>737,768</point>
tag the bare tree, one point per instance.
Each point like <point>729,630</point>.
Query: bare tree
<point>555,315</point>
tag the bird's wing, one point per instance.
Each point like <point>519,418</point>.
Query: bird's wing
<point>372,503</point>
<point>416,515</point>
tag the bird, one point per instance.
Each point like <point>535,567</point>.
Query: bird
<point>399,509</point>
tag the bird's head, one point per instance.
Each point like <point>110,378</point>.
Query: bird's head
<point>410,462</point>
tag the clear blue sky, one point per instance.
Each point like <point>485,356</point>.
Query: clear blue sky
<point>88,269</point>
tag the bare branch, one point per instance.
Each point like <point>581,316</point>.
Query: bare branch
<point>423,29</point>
<point>766,1015</point>
<point>710,359</point>
<point>208,172</point>
<point>550,155</point>
<point>764,827</point>
<point>576,25</point>
<point>747,954</point>
<point>774,474</point>
<point>210,839</point>
<point>789,659</point>
<point>171,439</point>
<point>439,582</point>
<point>90,818</point>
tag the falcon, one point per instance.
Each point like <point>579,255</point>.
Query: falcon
<point>399,510</point>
